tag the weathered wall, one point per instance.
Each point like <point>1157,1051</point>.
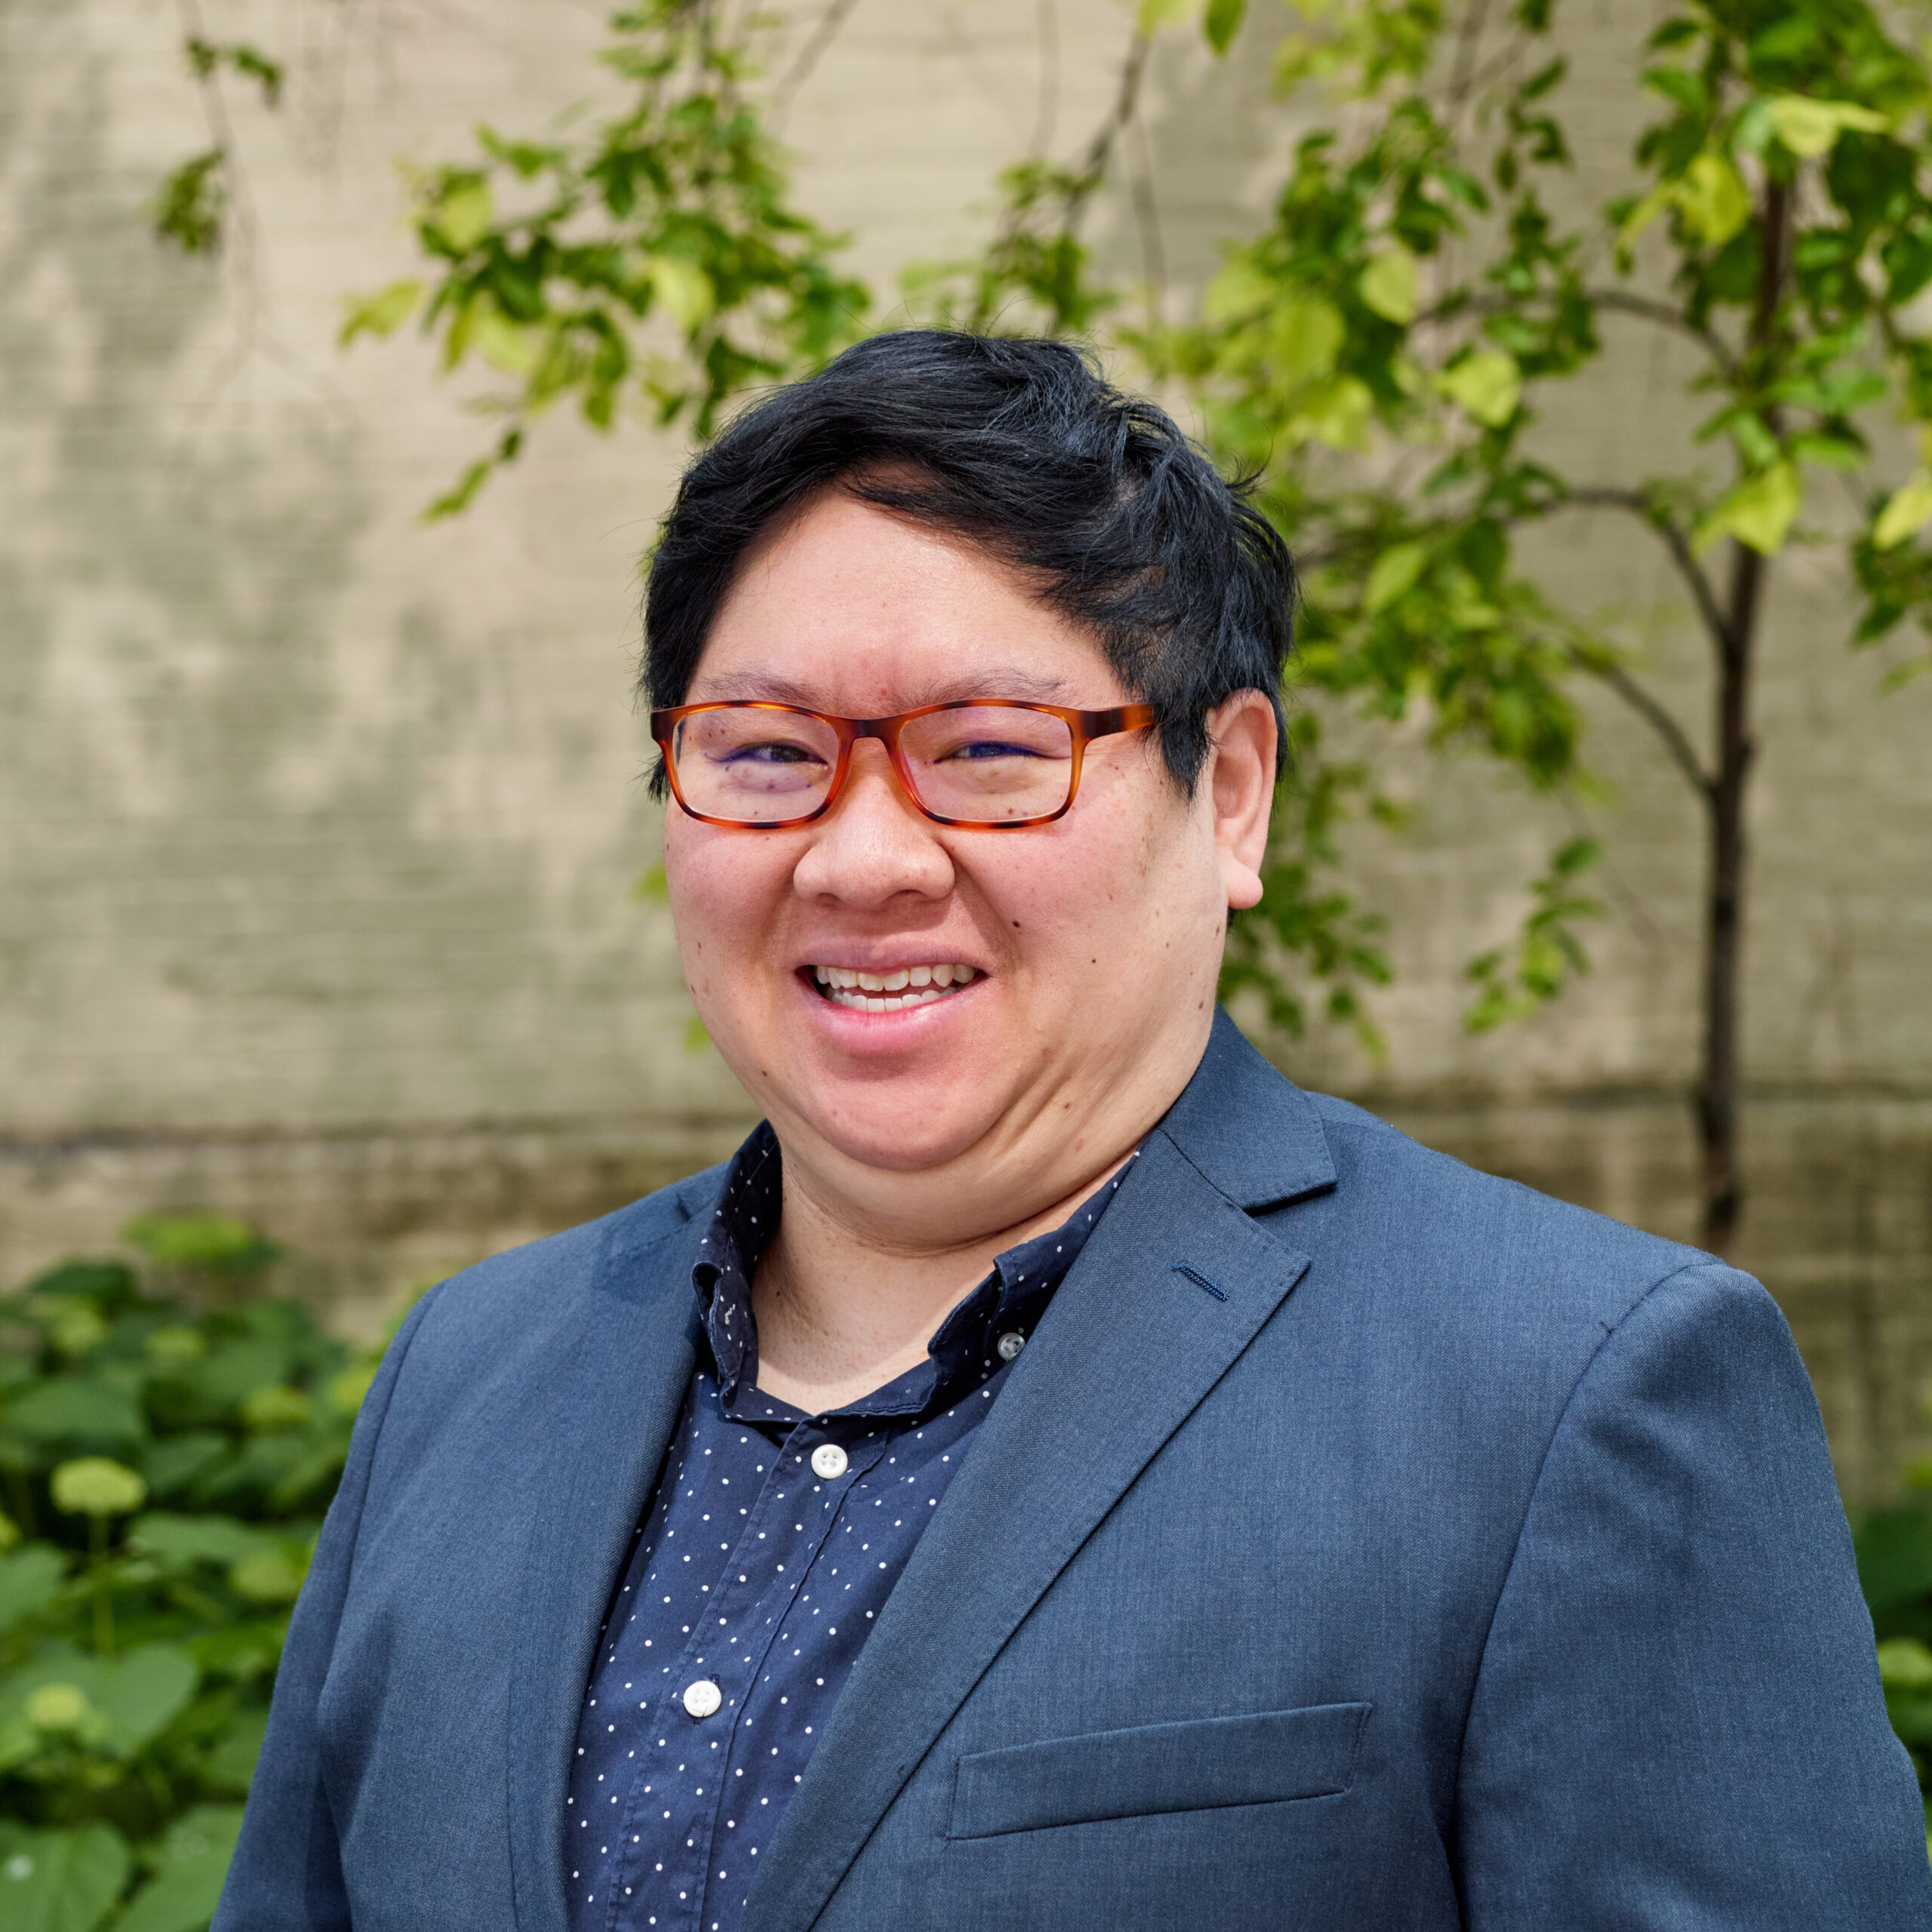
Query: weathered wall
<point>317,825</point>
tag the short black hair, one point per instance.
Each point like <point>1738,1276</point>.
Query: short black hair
<point>1023,448</point>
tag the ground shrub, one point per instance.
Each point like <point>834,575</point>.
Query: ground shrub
<point>169,1436</point>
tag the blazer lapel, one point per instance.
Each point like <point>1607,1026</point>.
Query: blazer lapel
<point>629,1364</point>
<point>1172,1286</point>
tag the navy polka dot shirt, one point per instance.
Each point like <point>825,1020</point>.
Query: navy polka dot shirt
<point>765,1557</point>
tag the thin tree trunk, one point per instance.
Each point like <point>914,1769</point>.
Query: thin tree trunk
<point>1724,937</point>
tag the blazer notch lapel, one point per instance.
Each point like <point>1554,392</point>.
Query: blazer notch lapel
<point>1252,1133</point>
<point>1173,1285</point>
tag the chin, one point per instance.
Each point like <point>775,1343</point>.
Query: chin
<point>920,1126</point>
<point>895,1142</point>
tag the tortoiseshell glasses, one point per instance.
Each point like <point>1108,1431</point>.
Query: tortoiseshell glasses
<point>987,764</point>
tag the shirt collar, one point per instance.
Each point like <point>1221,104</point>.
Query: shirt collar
<point>965,1350</point>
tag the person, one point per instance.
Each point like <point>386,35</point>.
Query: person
<point>1058,1474</point>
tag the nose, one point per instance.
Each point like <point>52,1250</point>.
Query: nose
<point>873,845</point>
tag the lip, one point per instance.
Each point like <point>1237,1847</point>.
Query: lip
<point>858,1031</point>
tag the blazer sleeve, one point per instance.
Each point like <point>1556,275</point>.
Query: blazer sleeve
<point>286,1875</point>
<point>1677,1722</point>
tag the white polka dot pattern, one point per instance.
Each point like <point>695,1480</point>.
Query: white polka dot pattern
<point>753,1572</point>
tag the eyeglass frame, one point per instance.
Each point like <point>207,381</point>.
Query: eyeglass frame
<point>1083,727</point>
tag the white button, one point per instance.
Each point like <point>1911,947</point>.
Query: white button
<point>1009,1344</point>
<point>702,1698</point>
<point>828,1461</point>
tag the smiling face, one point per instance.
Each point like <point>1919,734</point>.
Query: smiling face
<point>950,1029</point>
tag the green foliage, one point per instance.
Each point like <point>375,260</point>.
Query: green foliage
<point>1894,1548</point>
<point>1514,981</point>
<point>1376,356</point>
<point>1305,925</point>
<point>652,262</point>
<point>1035,277</point>
<point>188,210</point>
<point>206,58</point>
<point>165,1462</point>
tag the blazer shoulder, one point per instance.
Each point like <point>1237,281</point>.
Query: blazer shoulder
<point>514,1294</point>
<point>1491,1241</point>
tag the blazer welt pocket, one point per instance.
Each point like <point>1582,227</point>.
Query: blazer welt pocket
<point>1190,1766</point>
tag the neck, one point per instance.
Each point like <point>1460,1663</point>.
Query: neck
<point>842,1310</point>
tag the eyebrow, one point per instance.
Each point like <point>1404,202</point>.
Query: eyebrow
<point>775,689</point>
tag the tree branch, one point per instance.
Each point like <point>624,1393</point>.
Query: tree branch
<point>1619,299</point>
<point>1639,505</point>
<point>1683,753</point>
<point>796,75</point>
<point>1662,313</point>
<point>1099,150</point>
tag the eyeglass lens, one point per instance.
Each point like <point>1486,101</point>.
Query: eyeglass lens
<point>989,763</point>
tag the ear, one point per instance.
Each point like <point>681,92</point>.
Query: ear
<point>1239,782</point>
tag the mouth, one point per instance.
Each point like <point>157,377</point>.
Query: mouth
<point>894,992</point>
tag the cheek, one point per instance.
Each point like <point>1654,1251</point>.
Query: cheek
<point>725,891</point>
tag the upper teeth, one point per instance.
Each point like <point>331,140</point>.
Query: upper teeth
<point>887,992</point>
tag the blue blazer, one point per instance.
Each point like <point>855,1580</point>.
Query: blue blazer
<point>1361,1542</point>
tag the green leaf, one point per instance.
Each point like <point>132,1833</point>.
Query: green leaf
<point>60,1881</point>
<point>683,289</point>
<point>462,214</point>
<point>1905,1664</point>
<point>1712,199</point>
<point>221,1243</point>
<point>1222,22</point>
<point>30,1579</point>
<point>185,1540</point>
<point>195,1854</point>
<point>1758,511</point>
<point>81,1409</point>
<point>230,1766</point>
<point>1894,1551</point>
<point>1305,335</point>
<point>1488,385</point>
<point>1239,291</point>
<point>1908,510</point>
<point>1338,414</point>
<point>110,1285</point>
<point>509,347</point>
<point>379,315</point>
<point>1811,127</point>
<point>1155,15</point>
<point>174,1462</point>
<point>1391,287</point>
<point>269,1578</point>
<point>1392,576</point>
<point>138,1695</point>
<point>188,211</point>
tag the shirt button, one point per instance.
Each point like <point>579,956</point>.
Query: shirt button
<point>828,1461</point>
<point>702,1698</point>
<point>1009,1344</point>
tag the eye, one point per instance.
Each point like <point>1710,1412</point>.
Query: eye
<point>990,748</point>
<point>770,751</point>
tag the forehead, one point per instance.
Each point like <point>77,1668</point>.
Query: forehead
<point>849,607</point>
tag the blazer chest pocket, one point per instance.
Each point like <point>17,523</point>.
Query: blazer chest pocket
<point>1195,1766</point>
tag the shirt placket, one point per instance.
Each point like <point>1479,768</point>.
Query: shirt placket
<point>693,1746</point>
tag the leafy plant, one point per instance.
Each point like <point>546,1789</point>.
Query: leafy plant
<point>191,209</point>
<point>1377,354</point>
<point>167,1446</point>
<point>1894,1548</point>
<point>654,261</point>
